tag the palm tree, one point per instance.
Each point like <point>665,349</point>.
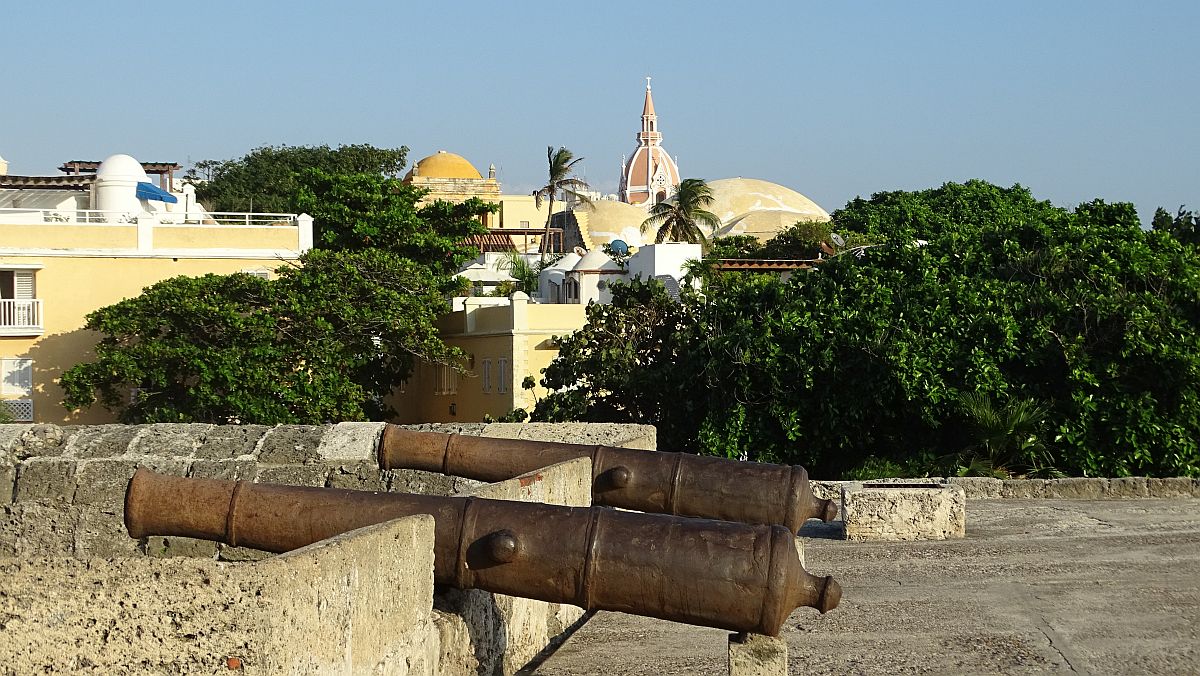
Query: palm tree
<point>679,220</point>
<point>562,164</point>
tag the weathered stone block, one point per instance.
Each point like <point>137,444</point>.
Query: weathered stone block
<point>592,434</point>
<point>102,534</point>
<point>978,487</point>
<point>1127,487</point>
<point>226,470</point>
<point>1170,487</point>
<point>102,483</point>
<point>292,475</point>
<point>424,483</point>
<point>827,490</point>
<point>175,440</point>
<point>757,655</point>
<point>45,480</point>
<point>474,429</point>
<point>874,511</point>
<point>8,482</point>
<point>291,444</point>
<point>100,441</point>
<point>1078,488</point>
<point>36,440</point>
<point>45,530</point>
<point>10,530</point>
<point>241,554</point>
<point>1023,488</point>
<point>230,441</point>
<point>9,434</point>
<point>360,476</point>
<point>351,441</point>
<point>172,547</point>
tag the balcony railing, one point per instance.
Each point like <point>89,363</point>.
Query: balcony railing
<point>19,317</point>
<point>95,217</point>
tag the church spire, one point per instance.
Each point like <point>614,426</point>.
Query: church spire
<point>650,175</point>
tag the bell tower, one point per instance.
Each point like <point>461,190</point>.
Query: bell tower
<point>650,176</point>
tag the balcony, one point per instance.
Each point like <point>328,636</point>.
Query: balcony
<point>20,317</point>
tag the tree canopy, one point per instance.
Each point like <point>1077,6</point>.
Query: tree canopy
<point>978,303</point>
<point>266,179</point>
<point>326,340</point>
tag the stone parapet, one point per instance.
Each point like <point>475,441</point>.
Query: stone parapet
<point>62,488</point>
<point>357,603</point>
<point>61,527</point>
<point>1075,488</point>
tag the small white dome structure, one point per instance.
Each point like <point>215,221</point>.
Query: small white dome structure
<point>117,179</point>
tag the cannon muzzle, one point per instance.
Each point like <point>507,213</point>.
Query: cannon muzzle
<point>647,481</point>
<point>735,576</point>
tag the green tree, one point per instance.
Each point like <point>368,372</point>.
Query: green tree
<point>267,179</point>
<point>561,164</point>
<point>680,218</point>
<point>1184,225</point>
<point>326,340</point>
<point>358,211</point>
<point>972,289</point>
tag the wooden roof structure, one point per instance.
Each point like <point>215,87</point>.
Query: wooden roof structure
<point>69,182</point>
<point>161,169</point>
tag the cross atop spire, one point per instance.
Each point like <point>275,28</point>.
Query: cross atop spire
<point>648,108</point>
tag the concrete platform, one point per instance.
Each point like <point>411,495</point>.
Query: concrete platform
<point>1037,586</point>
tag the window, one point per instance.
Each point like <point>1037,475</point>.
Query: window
<point>258,272</point>
<point>447,380</point>
<point>487,376</point>
<point>502,375</point>
<point>16,377</point>
<point>524,224</point>
<point>16,285</point>
<point>20,311</point>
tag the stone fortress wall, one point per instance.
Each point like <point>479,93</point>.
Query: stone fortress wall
<point>1071,488</point>
<point>78,594</point>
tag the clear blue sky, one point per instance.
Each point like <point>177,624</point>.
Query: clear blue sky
<point>1075,99</point>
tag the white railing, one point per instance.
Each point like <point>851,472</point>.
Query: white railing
<point>223,218</point>
<point>21,315</point>
<point>94,216</point>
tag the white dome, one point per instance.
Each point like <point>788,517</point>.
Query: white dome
<point>121,167</point>
<point>596,260</point>
<point>567,262</point>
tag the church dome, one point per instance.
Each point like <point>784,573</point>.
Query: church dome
<point>444,165</point>
<point>749,206</point>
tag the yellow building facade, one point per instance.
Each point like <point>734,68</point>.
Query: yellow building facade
<point>59,264</point>
<point>504,341</point>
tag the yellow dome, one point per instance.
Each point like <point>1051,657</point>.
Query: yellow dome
<point>444,165</point>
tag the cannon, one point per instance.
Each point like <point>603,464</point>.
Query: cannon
<point>741,577</point>
<point>681,484</point>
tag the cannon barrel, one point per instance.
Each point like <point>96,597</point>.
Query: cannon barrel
<point>734,576</point>
<point>682,484</point>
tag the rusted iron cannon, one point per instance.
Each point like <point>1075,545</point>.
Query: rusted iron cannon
<point>735,576</point>
<point>647,481</point>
